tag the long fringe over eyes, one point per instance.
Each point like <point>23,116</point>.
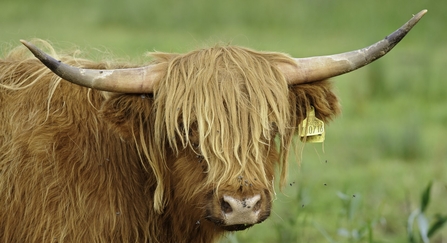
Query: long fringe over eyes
<point>235,99</point>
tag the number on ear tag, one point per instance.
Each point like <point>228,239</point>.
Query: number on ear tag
<point>311,129</point>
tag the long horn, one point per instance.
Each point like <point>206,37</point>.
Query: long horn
<point>312,69</point>
<point>128,80</point>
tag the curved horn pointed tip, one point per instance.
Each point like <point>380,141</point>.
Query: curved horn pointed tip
<point>27,44</point>
<point>422,12</point>
<point>400,33</point>
<point>46,59</point>
<point>418,16</point>
<point>37,53</point>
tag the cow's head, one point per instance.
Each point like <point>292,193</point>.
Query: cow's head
<point>207,129</point>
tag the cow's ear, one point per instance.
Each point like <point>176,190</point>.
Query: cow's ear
<point>126,112</point>
<point>320,95</point>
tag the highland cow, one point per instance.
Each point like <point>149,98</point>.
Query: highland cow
<point>182,150</point>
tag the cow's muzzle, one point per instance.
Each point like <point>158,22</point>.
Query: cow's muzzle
<point>239,212</point>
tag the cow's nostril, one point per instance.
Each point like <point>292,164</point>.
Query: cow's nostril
<point>225,206</point>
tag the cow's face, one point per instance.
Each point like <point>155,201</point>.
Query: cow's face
<point>218,126</point>
<point>219,111</point>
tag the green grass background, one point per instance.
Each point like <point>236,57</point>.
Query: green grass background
<point>390,141</point>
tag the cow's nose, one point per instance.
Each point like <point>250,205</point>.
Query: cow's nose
<point>241,210</point>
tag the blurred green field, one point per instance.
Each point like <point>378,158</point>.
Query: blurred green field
<point>363,183</point>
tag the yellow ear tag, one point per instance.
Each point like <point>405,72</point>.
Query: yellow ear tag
<point>311,129</point>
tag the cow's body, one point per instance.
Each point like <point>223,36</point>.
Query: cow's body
<point>81,165</point>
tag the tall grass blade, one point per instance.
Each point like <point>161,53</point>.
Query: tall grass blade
<point>425,200</point>
<point>440,221</point>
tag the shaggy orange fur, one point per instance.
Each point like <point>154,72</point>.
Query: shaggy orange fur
<point>81,165</point>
